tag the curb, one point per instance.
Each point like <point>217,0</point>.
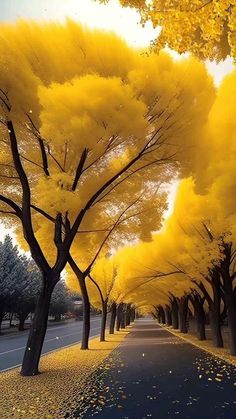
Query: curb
<point>207,350</point>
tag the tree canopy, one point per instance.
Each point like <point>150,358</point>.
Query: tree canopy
<point>206,28</point>
<point>92,134</point>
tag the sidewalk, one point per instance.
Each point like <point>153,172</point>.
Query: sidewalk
<point>156,374</point>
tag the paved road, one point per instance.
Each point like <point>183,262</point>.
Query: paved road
<point>154,374</point>
<point>12,346</point>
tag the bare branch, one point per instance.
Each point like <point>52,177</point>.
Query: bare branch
<point>97,286</point>
<point>12,204</point>
<point>208,232</point>
<point>55,160</point>
<point>79,170</point>
<point>44,213</point>
<point>36,250</point>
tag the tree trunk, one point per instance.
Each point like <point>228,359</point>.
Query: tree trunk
<point>224,313</point>
<point>2,314</point>
<point>127,316</point>
<point>168,316</point>
<point>201,326</point>
<point>214,307</point>
<point>132,317</point>
<point>183,312</point>
<point>10,319</point>
<point>215,311</point>
<point>37,331</point>
<point>199,313</point>
<point>216,327</point>
<point>122,322</point>
<point>174,313</point>
<point>229,298</point>
<point>104,320</point>
<point>118,317</point>
<point>201,321</point>
<point>86,313</point>
<point>22,317</point>
<point>231,309</point>
<point>112,319</point>
<point>162,314</point>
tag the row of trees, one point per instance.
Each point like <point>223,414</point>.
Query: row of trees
<point>91,132</point>
<point>20,283</point>
<point>87,148</point>
<point>190,264</point>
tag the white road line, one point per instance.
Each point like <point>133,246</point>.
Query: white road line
<point>46,353</point>
<point>48,340</point>
<point>13,335</point>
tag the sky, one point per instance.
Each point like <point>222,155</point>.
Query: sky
<point>91,12</point>
<point>124,21</point>
<point>111,17</point>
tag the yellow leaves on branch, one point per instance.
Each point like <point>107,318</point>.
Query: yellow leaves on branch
<point>206,28</point>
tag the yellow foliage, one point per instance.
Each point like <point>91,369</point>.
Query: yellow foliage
<point>205,27</point>
<point>90,96</point>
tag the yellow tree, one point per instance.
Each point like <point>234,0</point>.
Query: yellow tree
<point>168,125</point>
<point>199,237</point>
<point>100,287</point>
<point>78,135</point>
<point>206,28</point>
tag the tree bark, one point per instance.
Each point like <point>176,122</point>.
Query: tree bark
<point>214,308</point>
<point>112,319</point>
<point>86,314</point>
<point>122,322</point>
<point>37,332</point>
<point>118,317</point>
<point>229,297</point>
<point>104,320</point>
<point>174,313</point>
<point>10,319</point>
<point>168,319</point>
<point>216,327</point>
<point>22,318</point>
<point>127,315</point>
<point>183,312</point>
<point>199,313</point>
<point>2,314</point>
<point>132,317</point>
<point>232,322</point>
<point>162,314</point>
<point>201,326</point>
<point>215,312</point>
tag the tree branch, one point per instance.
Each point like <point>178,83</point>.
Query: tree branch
<point>80,167</point>
<point>98,288</point>
<point>36,251</point>
<point>12,204</point>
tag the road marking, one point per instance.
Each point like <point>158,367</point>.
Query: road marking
<point>23,333</point>
<point>48,340</point>
<point>46,353</point>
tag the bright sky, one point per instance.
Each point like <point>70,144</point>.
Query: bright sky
<point>92,13</point>
<point>113,17</point>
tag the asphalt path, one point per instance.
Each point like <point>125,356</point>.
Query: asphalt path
<point>12,346</point>
<point>155,374</point>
